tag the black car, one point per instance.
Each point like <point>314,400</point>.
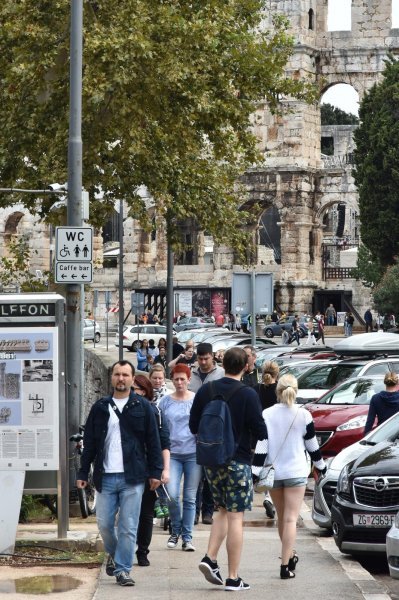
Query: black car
<point>367,500</point>
<point>285,324</point>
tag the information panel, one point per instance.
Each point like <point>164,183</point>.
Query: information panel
<point>29,399</point>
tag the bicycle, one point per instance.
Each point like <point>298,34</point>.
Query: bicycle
<point>86,496</point>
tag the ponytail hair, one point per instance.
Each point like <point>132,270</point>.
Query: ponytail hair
<point>391,379</point>
<point>270,372</point>
<point>287,389</point>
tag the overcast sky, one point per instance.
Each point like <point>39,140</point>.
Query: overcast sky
<point>339,19</point>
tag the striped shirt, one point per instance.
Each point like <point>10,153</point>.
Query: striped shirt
<point>287,451</point>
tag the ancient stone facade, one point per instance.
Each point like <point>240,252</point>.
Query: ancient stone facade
<point>302,186</point>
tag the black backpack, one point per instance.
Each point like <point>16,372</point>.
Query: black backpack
<point>216,443</point>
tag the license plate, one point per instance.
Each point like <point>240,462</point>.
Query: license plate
<point>376,520</point>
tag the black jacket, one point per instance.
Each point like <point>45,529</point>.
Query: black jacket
<point>141,448</point>
<point>245,412</point>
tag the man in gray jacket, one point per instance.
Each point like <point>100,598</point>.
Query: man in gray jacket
<point>207,370</point>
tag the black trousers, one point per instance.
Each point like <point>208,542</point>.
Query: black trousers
<point>144,530</point>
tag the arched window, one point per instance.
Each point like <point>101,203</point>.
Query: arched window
<point>311,19</point>
<point>269,232</point>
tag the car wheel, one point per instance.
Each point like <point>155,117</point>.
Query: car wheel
<point>133,347</point>
<point>269,332</point>
<point>97,337</point>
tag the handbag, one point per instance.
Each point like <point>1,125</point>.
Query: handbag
<point>266,474</point>
<point>266,479</point>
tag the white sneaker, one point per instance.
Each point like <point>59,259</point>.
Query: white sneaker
<point>188,547</point>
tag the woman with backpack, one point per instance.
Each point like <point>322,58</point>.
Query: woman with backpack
<point>175,409</point>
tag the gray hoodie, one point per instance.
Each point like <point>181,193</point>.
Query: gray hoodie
<point>196,382</point>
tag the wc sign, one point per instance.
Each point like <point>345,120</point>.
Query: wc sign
<point>73,254</point>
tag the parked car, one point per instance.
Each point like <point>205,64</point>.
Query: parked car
<point>224,342</point>
<point>295,368</point>
<point>340,415</point>
<point>133,333</point>
<point>392,548</point>
<point>193,323</point>
<point>326,486</point>
<point>206,334</point>
<point>367,500</point>
<point>321,378</point>
<point>285,324</point>
<point>91,330</point>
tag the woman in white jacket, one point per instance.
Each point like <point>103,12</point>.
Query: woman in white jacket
<point>290,432</point>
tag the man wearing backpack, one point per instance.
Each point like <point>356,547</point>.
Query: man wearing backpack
<point>230,482</point>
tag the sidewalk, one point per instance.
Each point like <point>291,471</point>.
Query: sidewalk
<point>322,571</point>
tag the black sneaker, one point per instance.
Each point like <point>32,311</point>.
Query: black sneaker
<point>142,559</point>
<point>123,578</point>
<point>210,569</point>
<point>269,508</point>
<point>236,585</point>
<point>110,566</point>
<point>172,541</point>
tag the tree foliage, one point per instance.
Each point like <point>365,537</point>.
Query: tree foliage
<point>369,270</point>
<point>386,293</point>
<point>377,166</point>
<point>14,268</point>
<point>169,90</point>
<point>331,115</point>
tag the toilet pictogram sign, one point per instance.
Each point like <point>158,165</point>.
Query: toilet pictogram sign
<point>73,253</point>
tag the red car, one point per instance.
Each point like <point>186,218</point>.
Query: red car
<point>340,414</point>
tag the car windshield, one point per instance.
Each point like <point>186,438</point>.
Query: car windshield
<point>327,376</point>
<point>294,370</point>
<point>353,392</point>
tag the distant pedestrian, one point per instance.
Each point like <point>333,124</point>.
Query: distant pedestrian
<point>311,338</point>
<point>295,329</point>
<point>274,316</point>
<point>349,319</point>
<point>238,322</point>
<point>320,323</point>
<point>156,376</point>
<point>368,319</point>
<point>250,376</point>
<point>330,314</point>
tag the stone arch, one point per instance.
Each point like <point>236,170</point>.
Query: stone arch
<point>11,224</point>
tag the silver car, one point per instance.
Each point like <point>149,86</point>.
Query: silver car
<point>324,489</point>
<point>91,330</point>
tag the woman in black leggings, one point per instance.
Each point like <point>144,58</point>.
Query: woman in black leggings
<point>143,387</point>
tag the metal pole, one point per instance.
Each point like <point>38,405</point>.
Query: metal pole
<point>253,315</point>
<point>74,219</point>
<point>169,305</point>
<point>121,312</point>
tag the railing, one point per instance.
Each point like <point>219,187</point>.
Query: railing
<point>341,160</point>
<point>337,272</point>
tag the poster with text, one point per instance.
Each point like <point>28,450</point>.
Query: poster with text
<point>29,399</point>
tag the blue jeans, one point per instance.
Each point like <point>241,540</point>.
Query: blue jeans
<point>183,521</point>
<point>120,539</point>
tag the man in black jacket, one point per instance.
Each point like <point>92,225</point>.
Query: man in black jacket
<point>231,485</point>
<point>121,438</point>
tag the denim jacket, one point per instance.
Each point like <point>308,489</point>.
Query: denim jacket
<point>141,448</point>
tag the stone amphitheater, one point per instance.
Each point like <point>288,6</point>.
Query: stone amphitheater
<point>308,224</point>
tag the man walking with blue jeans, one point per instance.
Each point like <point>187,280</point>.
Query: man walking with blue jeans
<point>121,438</point>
